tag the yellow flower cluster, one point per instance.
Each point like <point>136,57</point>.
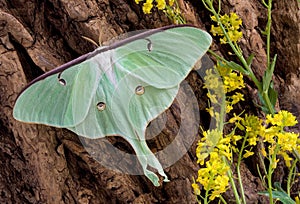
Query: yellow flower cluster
<point>217,88</point>
<point>214,147</point>
<point>233,81</point>
<point>282,119</point>
<point>252,126</point>
<point>231,24</point>
<point>170,8</point>
<point>160,5</point>
<point>213,177</point>
<point>280,141</point>
<point>207,144</point>
<point>213,141</point>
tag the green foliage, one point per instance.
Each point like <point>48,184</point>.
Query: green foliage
<point>270,131</point>
<point>279,194</point>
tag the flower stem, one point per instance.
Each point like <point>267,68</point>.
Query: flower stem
<point>289,180</point>
<point>223,200</point>
<point>270,172</point>
<point>268,30</point>
<point>238,168</point>
<point>235,192</point>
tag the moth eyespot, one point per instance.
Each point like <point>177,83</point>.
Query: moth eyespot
<point>101,106</point>
<point>139,90</point>
<point>149,45</point>
<point>62,82</point>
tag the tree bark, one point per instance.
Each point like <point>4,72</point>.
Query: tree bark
<point>41,164</point>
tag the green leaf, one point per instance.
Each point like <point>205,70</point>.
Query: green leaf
<point>279,194</point>
<point>282,196</point>
<point>237,67</point>
<point>273,95</point>
<point>267,78</point>
<point>263,106</point>
<point>250,59</point>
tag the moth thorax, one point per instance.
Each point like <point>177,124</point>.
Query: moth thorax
<point>101,106</point>
<point>139,90</point>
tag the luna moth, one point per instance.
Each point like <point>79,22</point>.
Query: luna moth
<point>117,89</point>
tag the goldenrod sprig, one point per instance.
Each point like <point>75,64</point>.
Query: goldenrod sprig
<point>170,8</point>
<point>280,142</point>
<point>218,82</point>
<point>230,37</point>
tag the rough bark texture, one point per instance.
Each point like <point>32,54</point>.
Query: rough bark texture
<point>41,164</point>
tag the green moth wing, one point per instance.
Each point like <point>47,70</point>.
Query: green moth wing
<point>117,90</point>
<point>51,103</point>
